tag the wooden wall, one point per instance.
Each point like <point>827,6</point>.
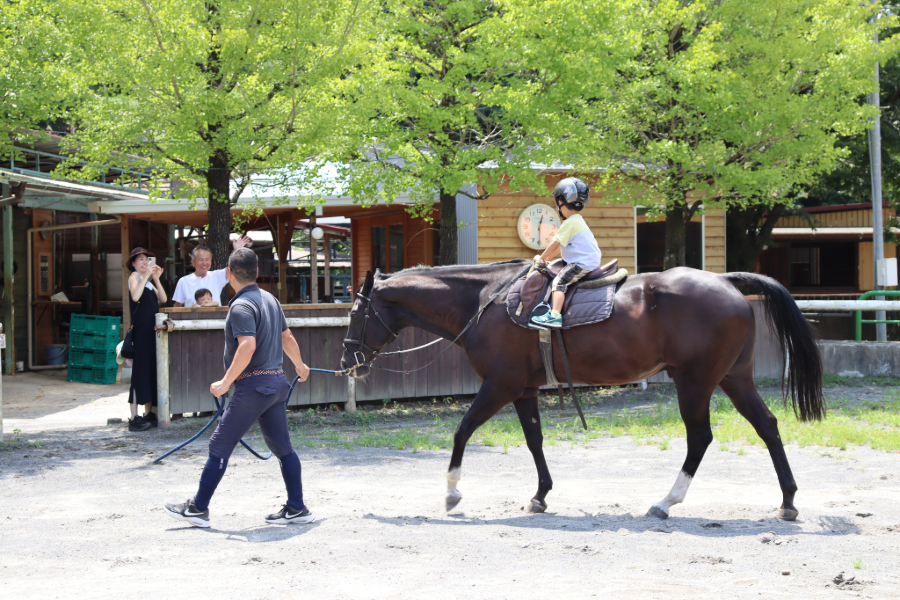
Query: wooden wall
<point>714,235</point>
<point>612,225</point>
<point>840,218</point>
<point>417,234</point>
<point>866,271</point>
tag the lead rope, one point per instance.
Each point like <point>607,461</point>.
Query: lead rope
<point>565,358</point>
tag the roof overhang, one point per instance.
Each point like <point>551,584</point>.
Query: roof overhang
<point>68,188</point>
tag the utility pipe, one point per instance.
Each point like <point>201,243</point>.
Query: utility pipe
<point>844,305</point>
<point>30,234</point>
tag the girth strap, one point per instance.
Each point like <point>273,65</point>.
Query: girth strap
<point>565,358</point>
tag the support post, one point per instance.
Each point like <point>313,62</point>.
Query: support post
<point>96,272</point>
<point>327,247</point>
<point>350,405</point>
<point>171,260</point>
<point>313,263</point>
<point>163,411</point>
<point>9,281</point>
<point>126,250</point>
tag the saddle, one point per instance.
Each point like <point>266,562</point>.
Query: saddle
<point>588,300</point>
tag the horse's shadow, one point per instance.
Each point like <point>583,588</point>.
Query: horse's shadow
<point>827,525</point>
<point>264,534</point>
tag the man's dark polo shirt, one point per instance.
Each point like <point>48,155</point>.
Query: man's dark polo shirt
<point>255,312</point>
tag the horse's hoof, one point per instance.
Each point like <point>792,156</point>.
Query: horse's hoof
<point>452,500</point>
<point>536,506</point>
<point>657,512</point>
<point>787,514</point>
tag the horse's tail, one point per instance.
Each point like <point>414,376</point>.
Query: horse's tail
<point>798,343</point>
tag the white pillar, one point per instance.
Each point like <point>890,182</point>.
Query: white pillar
<point>162,373</point>
<point>350,405</point>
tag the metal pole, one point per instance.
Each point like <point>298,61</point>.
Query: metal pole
<point>9,288</point>
<point>874,134</point>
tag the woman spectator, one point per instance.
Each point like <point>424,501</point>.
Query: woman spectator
<point>145,297</point>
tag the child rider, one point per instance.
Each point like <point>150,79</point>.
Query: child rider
<point>576,243</point>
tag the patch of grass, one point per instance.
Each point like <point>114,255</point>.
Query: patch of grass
<point>18,442</point>
<point>858,563</point>
<point>648,417</point>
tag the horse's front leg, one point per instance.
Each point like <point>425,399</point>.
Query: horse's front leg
<point>530,417</point>
<point>486,404</point>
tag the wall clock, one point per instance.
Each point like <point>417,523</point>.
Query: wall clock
<point>537,225</point>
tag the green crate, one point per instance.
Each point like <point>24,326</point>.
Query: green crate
<point>94,324</point>
<point>106,374</point>
<point>93,341</point>
<point>79,373</point>
<point>92,358</point>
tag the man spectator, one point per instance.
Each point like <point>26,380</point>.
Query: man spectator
<point>202,277</point>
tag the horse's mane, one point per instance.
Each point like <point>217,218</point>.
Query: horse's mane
<point>485,268</point>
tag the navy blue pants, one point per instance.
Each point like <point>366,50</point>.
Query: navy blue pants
<point>261,399</point>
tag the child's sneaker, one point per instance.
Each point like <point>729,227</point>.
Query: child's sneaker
<point>548,319</point>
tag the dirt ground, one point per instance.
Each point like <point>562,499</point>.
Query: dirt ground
<point>81,517</point>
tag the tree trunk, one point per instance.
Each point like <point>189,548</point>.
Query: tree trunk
<point>744,236</point>
<point>676,234</point>
<point>449,231</point>
<point>218,179</point>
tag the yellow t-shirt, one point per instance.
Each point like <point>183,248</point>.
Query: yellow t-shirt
<point>577,243</point>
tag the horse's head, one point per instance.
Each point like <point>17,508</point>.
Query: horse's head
<point>368,332</point>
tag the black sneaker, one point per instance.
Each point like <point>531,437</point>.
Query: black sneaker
<point>138,424</point>
<point>188,511</point>
<point>151,418</point>
<point>288,515</point>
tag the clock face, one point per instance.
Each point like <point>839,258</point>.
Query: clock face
<point>537,225</point>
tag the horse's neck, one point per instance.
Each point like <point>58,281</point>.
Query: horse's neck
<point>438,303</point>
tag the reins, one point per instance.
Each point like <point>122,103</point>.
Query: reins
<point>375,353</point>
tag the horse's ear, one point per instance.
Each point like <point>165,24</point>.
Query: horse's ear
<point>369,282</point>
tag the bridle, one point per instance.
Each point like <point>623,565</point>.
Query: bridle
<point>364,347</point>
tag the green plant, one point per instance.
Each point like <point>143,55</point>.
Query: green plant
<point>858,563</point>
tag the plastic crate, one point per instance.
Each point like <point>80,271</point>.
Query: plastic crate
<point>93,341</point>
<point>106,374</point>
<point>83,357</point>
<point>79,373</point>
<point>96,325</point>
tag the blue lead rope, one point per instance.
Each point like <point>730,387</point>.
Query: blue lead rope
<point>221,407</point>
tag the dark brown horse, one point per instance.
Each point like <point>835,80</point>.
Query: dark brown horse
<point>694,324</point>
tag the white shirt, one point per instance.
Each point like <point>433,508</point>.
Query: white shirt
<point>189,284</point>
<point>577,243</point>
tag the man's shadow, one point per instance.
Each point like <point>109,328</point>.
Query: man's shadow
<point>262,534</point>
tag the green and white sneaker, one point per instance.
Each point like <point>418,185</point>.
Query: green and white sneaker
<point>548,319</point>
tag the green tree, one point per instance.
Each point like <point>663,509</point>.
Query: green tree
<point>462,90</point>
<point>729,103</point>
<point>217,94</point>
<point>35,83</point>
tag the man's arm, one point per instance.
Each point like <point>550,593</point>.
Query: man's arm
<point>246,348</point>
<point>292,349</point>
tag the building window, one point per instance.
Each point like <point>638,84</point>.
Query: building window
<point>804,266</point>
<point>651,245</point>
<point>387,248</point>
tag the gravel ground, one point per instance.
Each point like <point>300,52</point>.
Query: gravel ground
<point>81,517</point>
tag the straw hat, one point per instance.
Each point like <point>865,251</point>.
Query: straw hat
<point>134,254</point>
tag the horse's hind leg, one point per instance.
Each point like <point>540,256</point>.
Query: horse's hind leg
<point>742,391</point>
<point>530,417</point>
<point>486,404</point>
<point>693,401</point>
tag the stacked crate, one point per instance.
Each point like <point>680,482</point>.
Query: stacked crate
<point>92,349</point>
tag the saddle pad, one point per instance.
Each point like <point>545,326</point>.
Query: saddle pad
<point>587,305</point>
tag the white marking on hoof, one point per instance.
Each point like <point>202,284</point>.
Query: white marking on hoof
<point>787,514</point>
<point>535,506</point>
<point>453,494</point>
<point>660,510</point>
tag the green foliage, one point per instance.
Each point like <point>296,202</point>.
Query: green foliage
<point>213,92</point>
<point>742,102</point>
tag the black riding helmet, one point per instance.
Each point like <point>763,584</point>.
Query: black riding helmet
<point>573,192</point>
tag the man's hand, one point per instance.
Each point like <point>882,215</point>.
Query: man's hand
<point>302,371</point>
<point>241,242</point>
<point>220,388</point>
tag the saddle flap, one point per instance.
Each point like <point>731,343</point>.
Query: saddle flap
<point>532,290</point>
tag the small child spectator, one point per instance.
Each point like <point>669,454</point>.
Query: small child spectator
<point>203,297</point>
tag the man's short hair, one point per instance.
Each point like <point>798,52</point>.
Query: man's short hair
<point>201,292</point>
<point>244,264</point>
<point>194,251</point>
